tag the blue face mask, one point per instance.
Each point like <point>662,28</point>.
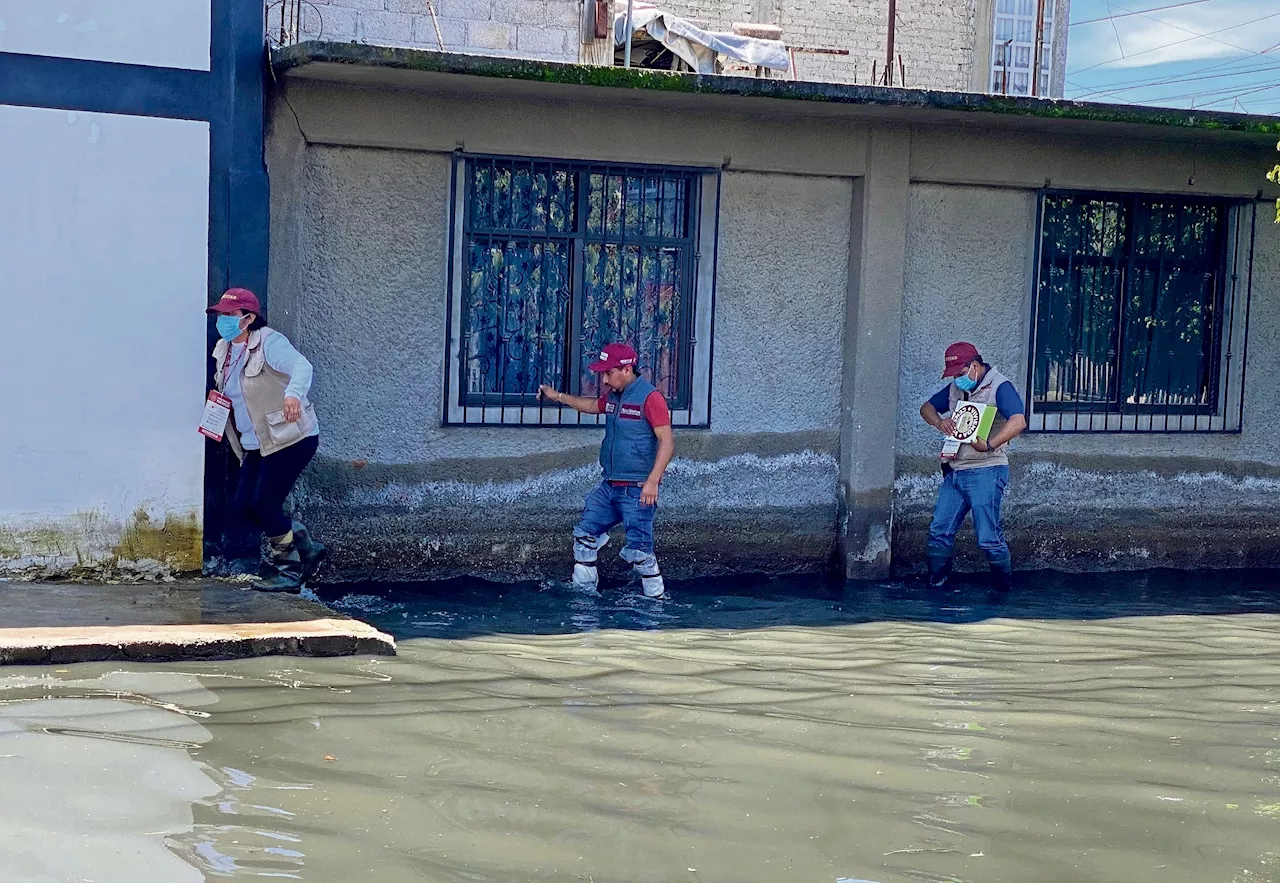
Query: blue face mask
<point>964,383</point>
<point>229,327</point>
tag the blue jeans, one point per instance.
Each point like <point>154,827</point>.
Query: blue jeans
<point>963,491</point>
<point>608,505</point>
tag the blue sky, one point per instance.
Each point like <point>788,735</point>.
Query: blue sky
<point>1216,54</point>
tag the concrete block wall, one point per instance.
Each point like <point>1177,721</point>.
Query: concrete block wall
<point>943,43</point>
<point>936,38</point>
<point>546,30</point>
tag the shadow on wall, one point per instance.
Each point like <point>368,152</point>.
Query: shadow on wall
<point>467,608</point>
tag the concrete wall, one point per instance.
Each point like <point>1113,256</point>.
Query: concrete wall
<point>944,45</point>
<point>547,30</point>
<point>1083,500</point>
<point>360,282</point>
<point>850,253</point>
<point>105,241</point>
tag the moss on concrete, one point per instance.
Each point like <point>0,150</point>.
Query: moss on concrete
<point>177,541</point>
<point>428,61</point>
<point>89,545</point>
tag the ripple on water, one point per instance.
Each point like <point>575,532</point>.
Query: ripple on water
<point>1123,749</point>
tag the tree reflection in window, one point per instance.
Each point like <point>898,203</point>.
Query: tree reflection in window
<point>563,258</point>
<point>1129,308</point>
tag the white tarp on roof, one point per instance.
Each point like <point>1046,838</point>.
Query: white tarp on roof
<point>696,46</point>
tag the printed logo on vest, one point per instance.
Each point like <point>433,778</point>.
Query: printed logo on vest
<point>610,407</point>
<point>631,412</point>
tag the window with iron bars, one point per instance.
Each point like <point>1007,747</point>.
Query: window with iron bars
<point>554,259</point>
<point>1141,313</point>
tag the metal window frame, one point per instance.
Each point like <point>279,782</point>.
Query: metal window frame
<point>704,242</point>
<point>1226,416</point>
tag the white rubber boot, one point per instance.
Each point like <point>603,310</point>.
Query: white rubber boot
<point>586,549</point>
<point>586,577</point>
<point>653,586</point>
<point>645,565</point>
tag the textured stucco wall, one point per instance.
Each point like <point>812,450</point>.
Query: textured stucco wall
<point>784,245</point>
<point>1080,500</point>
<point>363,277</point>
<point>399,496</point>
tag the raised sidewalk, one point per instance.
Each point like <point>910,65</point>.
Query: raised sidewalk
<point>55,623</point>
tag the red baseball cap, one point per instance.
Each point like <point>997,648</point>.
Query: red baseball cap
<point>236,299</point>
<point>614,355</point>
<point>958,359</point>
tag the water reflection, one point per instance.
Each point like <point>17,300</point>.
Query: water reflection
<point>876,734</point>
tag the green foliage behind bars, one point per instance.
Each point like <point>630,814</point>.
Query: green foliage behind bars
<point>1274,177</point>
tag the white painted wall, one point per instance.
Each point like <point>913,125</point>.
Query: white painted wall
<point>104,245</point>
<point>158,33</point>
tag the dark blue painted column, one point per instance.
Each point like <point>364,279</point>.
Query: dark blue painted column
<point>238,235</point>
<point>230,97</point>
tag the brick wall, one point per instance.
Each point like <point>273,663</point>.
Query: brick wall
<point>936,38</point>
<point>541,29</point>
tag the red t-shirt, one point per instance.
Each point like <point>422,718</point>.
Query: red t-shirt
<point>656,411</point>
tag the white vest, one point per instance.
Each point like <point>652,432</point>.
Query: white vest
<point>263,389</point>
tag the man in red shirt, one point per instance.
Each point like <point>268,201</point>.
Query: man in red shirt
<point>638,445</point>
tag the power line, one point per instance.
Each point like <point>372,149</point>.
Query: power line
<point>1242,94</point>
<point>1168,24</point>
<point>1114,29</point>
<point>1208,36</point>
<point>1189,77</point>
<point>1111,18</point>
<point>1228,91</point>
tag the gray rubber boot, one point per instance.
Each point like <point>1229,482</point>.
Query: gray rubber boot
<point>285,566</point>
<point>310,550</point>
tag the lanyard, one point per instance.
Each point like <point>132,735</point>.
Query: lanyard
<point>227,364</point>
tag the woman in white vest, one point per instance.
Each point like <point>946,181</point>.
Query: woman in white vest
<point>273,431</point>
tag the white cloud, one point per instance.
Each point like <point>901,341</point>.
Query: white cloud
<point>1166,37</point>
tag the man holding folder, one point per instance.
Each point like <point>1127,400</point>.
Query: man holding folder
<point>983,413</point>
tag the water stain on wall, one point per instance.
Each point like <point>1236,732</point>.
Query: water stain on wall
<point>91,545</point>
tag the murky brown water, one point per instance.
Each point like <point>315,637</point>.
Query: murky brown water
<point>1128,749</point>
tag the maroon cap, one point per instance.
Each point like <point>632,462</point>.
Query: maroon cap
<point>236,299</point>
<point>614,355</point>
<point>958,359</point>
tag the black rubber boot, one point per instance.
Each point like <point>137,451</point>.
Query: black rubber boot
<point>285,566</point>
<point>939,566</point>
<point>1001,573</point>
<point>311,551</point>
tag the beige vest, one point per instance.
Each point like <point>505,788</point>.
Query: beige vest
<point>263,388</point>
<point>985,394</point>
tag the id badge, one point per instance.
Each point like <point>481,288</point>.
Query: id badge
<point>217,410</point>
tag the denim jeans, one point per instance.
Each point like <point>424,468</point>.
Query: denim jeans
<point>609,505</point>
<point>963,491</point>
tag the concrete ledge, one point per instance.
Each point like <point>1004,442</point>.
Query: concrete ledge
<point>57,624</point>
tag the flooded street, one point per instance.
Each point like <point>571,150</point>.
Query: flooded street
<point>767,733</point>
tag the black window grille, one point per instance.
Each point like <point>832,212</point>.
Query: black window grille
<point>560,258</point>
<point>1136,314</point>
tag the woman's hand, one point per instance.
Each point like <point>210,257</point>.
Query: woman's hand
<point>292,409</point>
